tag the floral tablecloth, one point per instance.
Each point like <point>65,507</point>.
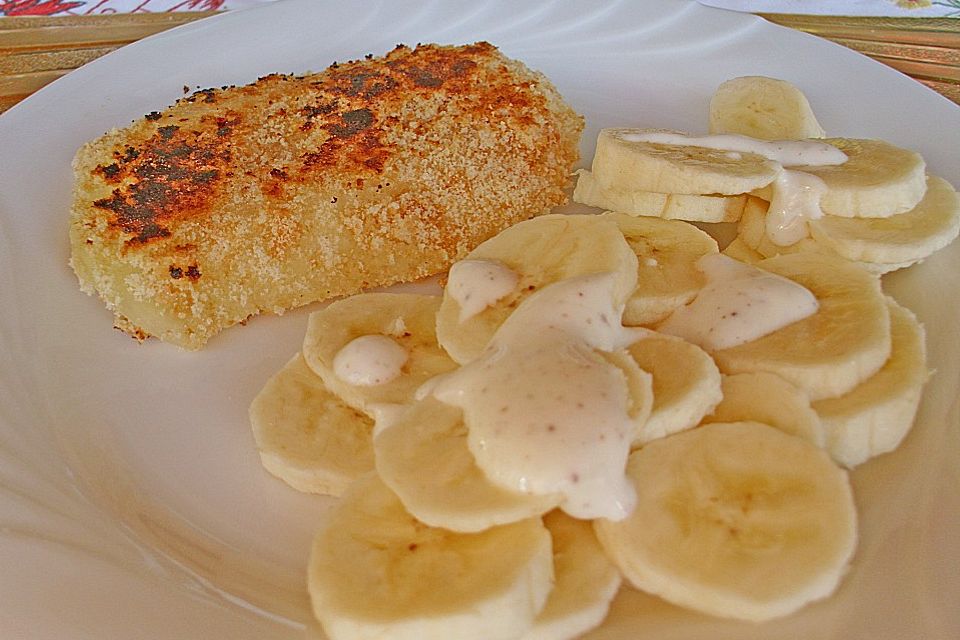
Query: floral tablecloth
<point>893,8</point>
<point>93,7</point>
<point>916,8</point>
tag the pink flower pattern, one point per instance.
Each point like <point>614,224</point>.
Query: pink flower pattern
<point>86,7</point>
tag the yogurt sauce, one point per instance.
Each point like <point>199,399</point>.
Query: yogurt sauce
<point>796,199</point>
<point>478,284</point>
<point>546,412</point>
<point>796,194</point>
<point>739,303</point>
<point>370,360</point>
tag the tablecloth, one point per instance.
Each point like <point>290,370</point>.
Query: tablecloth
<point>915,8</point>
<point>99,7</point>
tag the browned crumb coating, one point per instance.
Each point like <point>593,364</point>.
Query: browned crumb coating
<point>262,198</point>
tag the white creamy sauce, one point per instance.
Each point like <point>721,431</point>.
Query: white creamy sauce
<point>796,200</point>
<point>478,284</point>
<point>580,309</point>
<point>370,360</point>
<point>789,153</point>
<point>739,303</point>
<point>545,411</point>
<point>796,194</point>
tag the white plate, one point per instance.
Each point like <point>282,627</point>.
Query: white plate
<point>132,503</point>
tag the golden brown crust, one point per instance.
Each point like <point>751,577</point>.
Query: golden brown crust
<point>292,189</point>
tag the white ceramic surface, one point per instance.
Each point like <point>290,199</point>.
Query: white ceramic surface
<point>132,503</point>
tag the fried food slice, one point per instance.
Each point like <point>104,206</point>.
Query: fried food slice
<point>292,189</point>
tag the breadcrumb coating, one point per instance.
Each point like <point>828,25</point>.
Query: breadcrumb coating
<point>293,189</point>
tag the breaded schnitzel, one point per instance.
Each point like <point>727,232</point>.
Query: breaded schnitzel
<point>293,189</point>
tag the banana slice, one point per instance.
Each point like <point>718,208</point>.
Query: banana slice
<point>829,353</point>
<point>540,251</point>
<point>752,233</point>
<point>586,581</point>
<point>762,107</point>
<point>686,384</point>
<point>670,206</point>
<point>640,396</point>
<point>876,416</point>
<point>306,436</point>
<point>377,572</point>
<point>877,180</point>
<point>621,162</point>
<point>666,276</point>
<point>739,250</point>
<point>737,520</point>
<point>769,399</point>
<point>903,238</point>
<point>425,460</point>
<point>404,322</point>
<point>752,230</point>
<point>880,268</point>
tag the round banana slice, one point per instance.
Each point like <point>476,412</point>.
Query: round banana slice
<point>686,384</point>
<point>403,322</point>
<point>902,238</point>
<point>540,251</point>
<point>623,162</point>
<point>305,434</point>
<point>739,250</point>
<point>880,268</point>
<point>876,416</point>
<point>762,107</point>
<point>752,228</point>
<point>375,571</point>
<point>877,180</point>
<point>737,520</point>
<point>670,206</point>
<point>666,276</point>
<point>586,581</point>
<point>639,381</point>
<point>424,458</point>
<point>752,233</point>
<point>769,399</point>
<point>830,352</point>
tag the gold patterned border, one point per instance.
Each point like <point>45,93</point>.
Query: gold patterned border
<point>35,51</point>
<point>926,49</point>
